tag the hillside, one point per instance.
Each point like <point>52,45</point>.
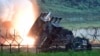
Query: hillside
<point>73,9</point>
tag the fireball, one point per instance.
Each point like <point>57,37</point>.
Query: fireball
<point>21,14</point>
<point>24,19</point>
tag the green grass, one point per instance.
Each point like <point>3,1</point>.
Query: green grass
<point>73,18</point>
<point>78,25</point>
<point>69,53</point>
<point>64,6</point>
<point>62,9</point>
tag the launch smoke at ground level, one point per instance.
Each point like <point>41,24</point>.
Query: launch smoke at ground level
<point>20,16</point>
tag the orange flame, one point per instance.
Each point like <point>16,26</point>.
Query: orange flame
<point>23,21</point>
<point>22,15</point>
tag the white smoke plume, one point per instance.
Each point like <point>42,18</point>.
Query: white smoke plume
<point>13,10</point>
<point>9,10</point>
<point>9,7</point>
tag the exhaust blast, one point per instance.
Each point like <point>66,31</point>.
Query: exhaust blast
<point>18,15</point>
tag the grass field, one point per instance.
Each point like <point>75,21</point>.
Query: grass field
<point>69,53</point>
<point>74,16</point>
<point>78,25</point>
<point>67,9</point>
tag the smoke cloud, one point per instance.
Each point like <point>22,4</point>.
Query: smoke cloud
<point>9,8</point>
<point>13,10</point>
